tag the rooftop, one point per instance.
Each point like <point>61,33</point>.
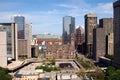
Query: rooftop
<point>47,36</point>
<point>91,15</point>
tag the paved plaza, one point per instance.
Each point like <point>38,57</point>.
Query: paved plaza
<point>29,70</point>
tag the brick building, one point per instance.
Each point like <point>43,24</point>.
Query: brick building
<point>80,38</point>
<point>57,51</point>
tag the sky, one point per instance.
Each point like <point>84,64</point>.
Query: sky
<point>47,15</point>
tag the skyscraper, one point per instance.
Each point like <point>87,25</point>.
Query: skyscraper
<point>11,39</point>
<point>79,39</point>
<point>28,31</point>
<point>24,45</point>
<point>68,28</point>
<point>98,43</point>
<point>116,29</point>
<point>20,21</point>
<point>107,24</point>
<point>79,35</point>
<point>90,24</point>
<point>102,41</point>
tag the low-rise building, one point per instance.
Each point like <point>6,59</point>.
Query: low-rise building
<point>64,51</point>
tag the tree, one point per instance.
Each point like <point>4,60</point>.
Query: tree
<point>76,55</point>
<point>4,74</point>
<point>110,70</point>
<point>52,61</point>
<point>97,75</point>
<point>112,73</point>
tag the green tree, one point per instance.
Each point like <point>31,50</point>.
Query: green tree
<point>112,73</point>
<point>110,70</point>
<point>52,61</point>
<point>110,56</point>
<point>97,75</point>
<point>4,74</point>
<point>76,55</point>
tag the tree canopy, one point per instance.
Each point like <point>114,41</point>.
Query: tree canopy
<point>112,73</point>
<point>4,74</point>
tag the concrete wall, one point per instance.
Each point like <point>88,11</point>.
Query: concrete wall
<point>110,44</point>
<point>98,43</point>
<point>90,24</point>
<point>14,36</point>
<point>3,49</point>
<point>24,48</point>
<point>117,32</point>
<point>107,24</point>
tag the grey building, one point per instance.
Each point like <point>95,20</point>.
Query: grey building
<point>20,21</point>
<point>68,27</point>
<point>11,34</point>
<point>3,49</point>
<point>28,31</point>
<point>110,44</point>
<point>27,40</point>
<point>103,38</point>
<point>116,6</point>
<point>107,24</point>
<point>98,43</point>
<point>90,24</point>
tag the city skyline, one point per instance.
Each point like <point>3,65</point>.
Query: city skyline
<point>74,55</point>
<point>46,15</point>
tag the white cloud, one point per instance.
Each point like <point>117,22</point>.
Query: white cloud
<point>106,8</point>
<point>68,6</point>
<point>52,18</point>
<point>42,21</point>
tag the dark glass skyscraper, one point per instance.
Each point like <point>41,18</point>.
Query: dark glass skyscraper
<point>68,27</point>
<point>20,20</point>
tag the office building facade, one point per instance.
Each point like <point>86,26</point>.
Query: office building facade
<point>24,48</point>
<point>90,24</point>
<point>80,38</point>
<point>110,44</point>
<point>98,43</point>
<point>68,28</point>
<point>28,31</point>
<point>107,24</point>
<point>103,38</point>
<point>3,49</point>
<point>116,6</point>
<point>11,34</point>
<point>20,21</point>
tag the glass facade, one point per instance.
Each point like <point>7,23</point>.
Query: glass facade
<point>20,20</point>
<point>68,27</point>
<point>7,28</point>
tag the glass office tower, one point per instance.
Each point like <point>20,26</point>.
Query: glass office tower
<point>68,27</point>
<point>20,21</point>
